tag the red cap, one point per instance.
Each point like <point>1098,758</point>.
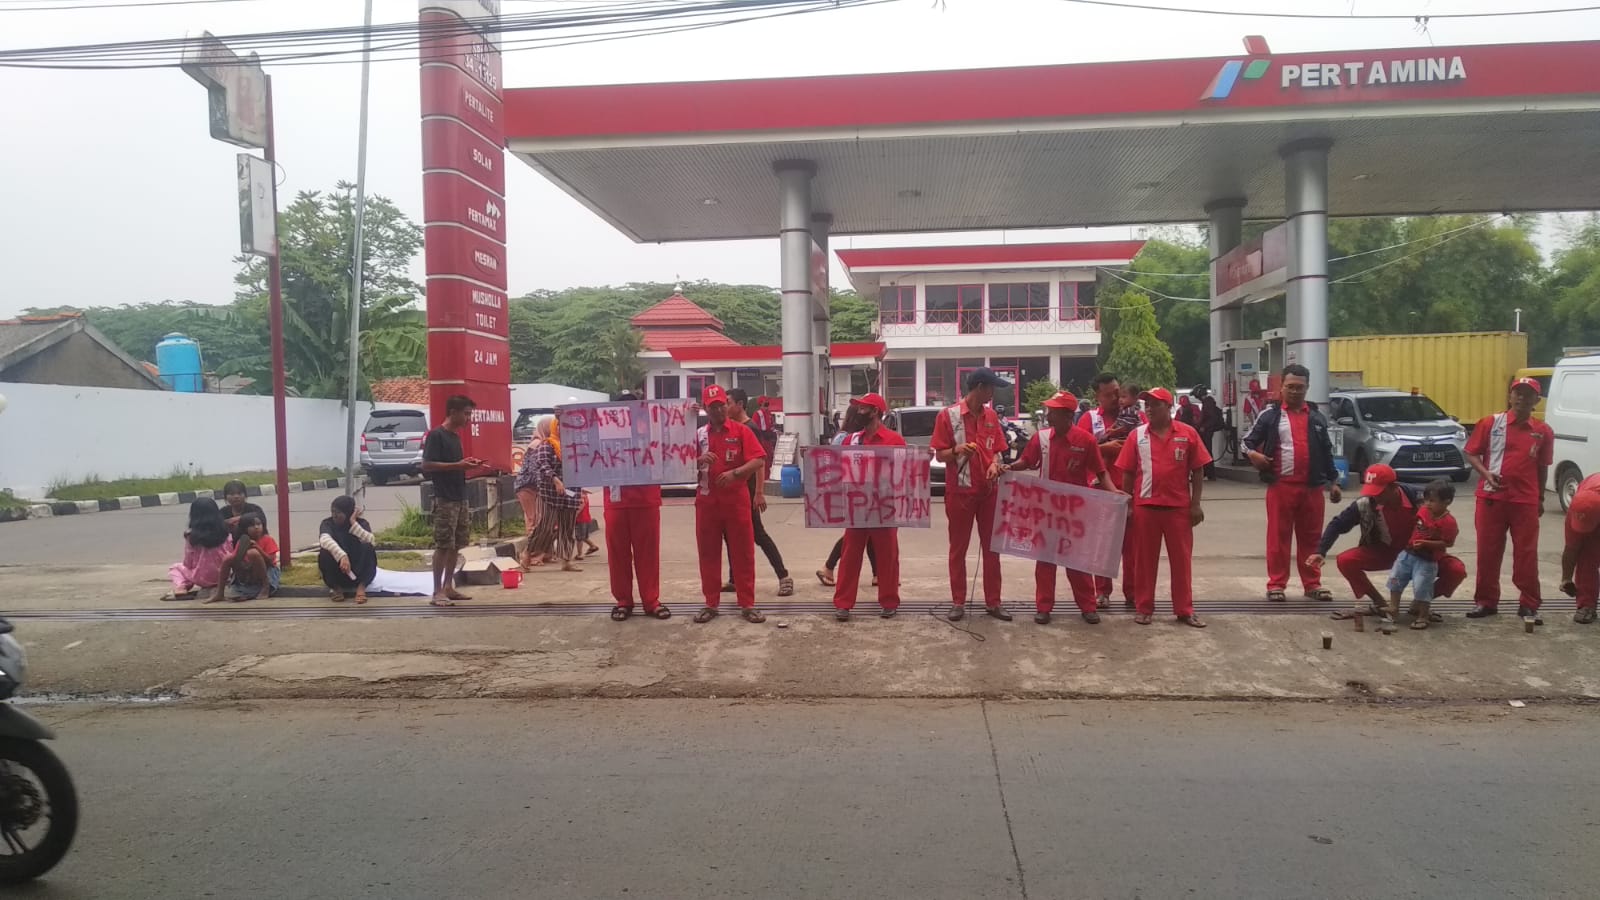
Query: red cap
<point>873,401</point>
<point>1062,400</point>
<point>1378,479</point>
<point>1527,383</point>
<point>1583,514</point>
<point>1158,395</point>
<point>714,393</point>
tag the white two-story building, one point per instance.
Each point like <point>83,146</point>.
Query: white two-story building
<point>1025,310</point>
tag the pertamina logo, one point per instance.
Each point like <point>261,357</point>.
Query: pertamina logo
<point>1353,74</point>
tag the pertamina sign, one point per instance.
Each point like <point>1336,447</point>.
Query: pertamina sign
<point>1317,75</point>
<point>464,220</point>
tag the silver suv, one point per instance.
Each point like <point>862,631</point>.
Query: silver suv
<point>391,443</point>
<point>1407,432</point>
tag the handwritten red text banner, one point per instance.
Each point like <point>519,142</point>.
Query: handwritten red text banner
<point>633,442</point>
<point>867,487</point>
<point>1060,524</point>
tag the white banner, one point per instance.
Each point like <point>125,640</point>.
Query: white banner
<point>1061,524</point>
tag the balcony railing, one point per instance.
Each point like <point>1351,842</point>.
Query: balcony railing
<point>1082,320</point>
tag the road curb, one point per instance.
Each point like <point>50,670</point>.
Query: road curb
<point>171,498</point>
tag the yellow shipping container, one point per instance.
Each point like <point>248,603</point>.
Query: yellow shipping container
<point>1467,374</point>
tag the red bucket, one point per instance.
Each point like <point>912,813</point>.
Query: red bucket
<point>511,579</point>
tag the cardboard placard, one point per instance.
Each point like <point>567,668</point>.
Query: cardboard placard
<point>867,487</point>
<point>783,454</point>
<point>1061,524</point>
<point>629,442</point>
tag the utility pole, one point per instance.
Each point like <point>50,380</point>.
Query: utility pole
<point>280,410</point>
<point>358,259</point>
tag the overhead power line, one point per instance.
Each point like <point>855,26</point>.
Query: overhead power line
<point>1351,16</point>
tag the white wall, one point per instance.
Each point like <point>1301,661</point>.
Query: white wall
<point>59,432</point>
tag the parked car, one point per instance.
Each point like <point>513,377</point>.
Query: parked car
<point>1573,412</point>
<point>391,443</point>
<point>522,428</point>
<point>1405,431</point>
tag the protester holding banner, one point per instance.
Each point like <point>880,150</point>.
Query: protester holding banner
<point>1293,450</point>
<point>737,398</point>
<point>1069,455</point>
<point>1101,421</point>
<point>854,421</point>
<point>1163,468</point>
<point>885,542</point>
<point>633,548</point>
<point>966,438</point>
<point>729,456</point>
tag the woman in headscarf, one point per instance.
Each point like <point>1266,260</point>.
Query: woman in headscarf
<point>347,557</point>
<point>558,521</point>
<point>527,487</point>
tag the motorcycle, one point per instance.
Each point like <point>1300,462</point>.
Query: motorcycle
<point>1016,441</point>
<point>38,804</point>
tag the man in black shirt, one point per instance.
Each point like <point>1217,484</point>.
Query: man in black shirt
<point>446,466</point>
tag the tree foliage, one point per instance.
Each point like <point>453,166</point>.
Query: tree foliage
<point>1138,354</point>
<point>1035,393</point>
<point>1573,287</point>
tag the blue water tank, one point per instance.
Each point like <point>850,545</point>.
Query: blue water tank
<point>792,487</point>
<point>178,362</point>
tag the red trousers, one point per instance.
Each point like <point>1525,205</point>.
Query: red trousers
<point>633,547</point>
<point>1044,588</point>
<point>1152,525</point>
<point>1495,519</point>
<point>1294,516</point>
<point>962,511</point>
<point>714,525</point>
<point>1104,585</point>
<point>1355,563</point>
<point>885,544</point>
<point>1587,575</point>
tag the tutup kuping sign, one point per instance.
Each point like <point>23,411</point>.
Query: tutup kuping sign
<point>867,487</point>
<point>1061,524</point>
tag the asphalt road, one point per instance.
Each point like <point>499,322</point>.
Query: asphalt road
<point>154,535</point>
<point>919,799</point>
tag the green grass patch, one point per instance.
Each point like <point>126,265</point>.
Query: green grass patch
<point>305,573</point>
<point>8,501</point>
<point>414,532</point>
<point>178,480</point>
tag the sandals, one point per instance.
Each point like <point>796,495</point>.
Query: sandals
<point>785,586</point>
<point>661,612</point>
<point>621,613</point>
<point>842,615</point>
<point>436,601</point>
<point>1142,619</point>
<point>1584,616</point>
<point>1192,621</point>
<point>1277,596</point>
<point>751,614</point>
<point>705,615</point>
<point>826,577</point>
<point>1420,623</point>
<point>1321,595</point>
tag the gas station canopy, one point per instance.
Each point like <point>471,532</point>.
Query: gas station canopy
<point>1413,131</point>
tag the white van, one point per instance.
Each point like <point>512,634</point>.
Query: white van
<point>1573,412</point>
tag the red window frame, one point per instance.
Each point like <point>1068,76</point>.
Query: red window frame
<point>698,384</point>
<point>900,389</point>
<point>1014,302</point>
<point>903,311</point>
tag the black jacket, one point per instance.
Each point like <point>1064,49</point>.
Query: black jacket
<point>1263,438</point>
<point>1363,514</point>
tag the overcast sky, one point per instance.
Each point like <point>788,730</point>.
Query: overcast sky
<point>112,191</point>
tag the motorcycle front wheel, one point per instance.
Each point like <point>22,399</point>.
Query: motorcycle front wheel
<point>38,810</point>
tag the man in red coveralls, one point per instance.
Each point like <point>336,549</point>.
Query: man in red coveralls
<point>1163,468</point>
<point>1580,557</point>
<point>1101,421</point>
<point>1290,445</point>
<point>1064,454</point>
<point>1512,452</point>
<point>966,438</point>
<point>885,541</point>
<point>633,545</point>
<point>1385,515</point>
<point>730,456</point>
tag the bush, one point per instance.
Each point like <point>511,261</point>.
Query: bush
<point>1035,394</point>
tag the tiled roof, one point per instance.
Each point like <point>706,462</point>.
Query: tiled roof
<point>401,390</point>
<point>676,310</point>
<point>672,338</point>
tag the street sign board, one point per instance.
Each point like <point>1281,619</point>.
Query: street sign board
<point>237,88</point>
<point>1256,270</point>
<point>258,206</point>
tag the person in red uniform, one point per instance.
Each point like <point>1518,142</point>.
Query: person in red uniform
<point>966,438</point>
<point>1512,452</point>
<point>1290,445</point>
<point>1580,556</point>
<point>1101,421</point>
<point>633,548</point>
<point>885,542</point>
<point>1064,454</point>
<point>1386,515</point>
<point>1163,468</point>
<point>730,456</point>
